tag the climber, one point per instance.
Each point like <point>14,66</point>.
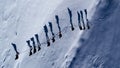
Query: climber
<point>85,10</point>
<point>82,19</point>
<point>79,21</point>
<point>15,48</point>
<point>28,43</point>
<point>57,21</point>
<point>51,29</point>
<point>46,34</point>
<point>70,15</point>
<point>33,42</point>
<point>38,42</point>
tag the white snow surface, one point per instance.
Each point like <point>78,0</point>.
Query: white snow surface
<point>21,19</point>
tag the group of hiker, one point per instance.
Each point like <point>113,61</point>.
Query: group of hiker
<point>81,23</point>
<point>33,48</point>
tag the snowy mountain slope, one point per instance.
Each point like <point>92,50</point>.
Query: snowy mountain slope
<point>21,19</point>
<point>15,17</point>
<point>58,57</point>
<point>100,46</point>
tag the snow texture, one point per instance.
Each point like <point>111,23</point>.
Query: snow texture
<point>97,47</point>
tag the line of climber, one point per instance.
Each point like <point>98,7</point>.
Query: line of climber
<point>34,49</point>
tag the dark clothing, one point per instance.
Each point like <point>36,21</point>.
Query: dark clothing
<point>33,42</point>
<point>46,34</point>
<point>82,20</point>
<point>85,10</point>
<point>70,15</point>
<point>51,28</point>
<point>38,42</point>
<point>15,48</point>
<point>81,15</point>
<point>78,17</point>
<point>37,38</point>
<point>28,42</point>
<point>45,29</point>
<point>57,21</point>
<point>79,23</point>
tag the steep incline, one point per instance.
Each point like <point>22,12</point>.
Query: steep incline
<point>100,47</point>
<point>21,19</point>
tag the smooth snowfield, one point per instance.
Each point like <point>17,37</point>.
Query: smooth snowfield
<point>21,19</point>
